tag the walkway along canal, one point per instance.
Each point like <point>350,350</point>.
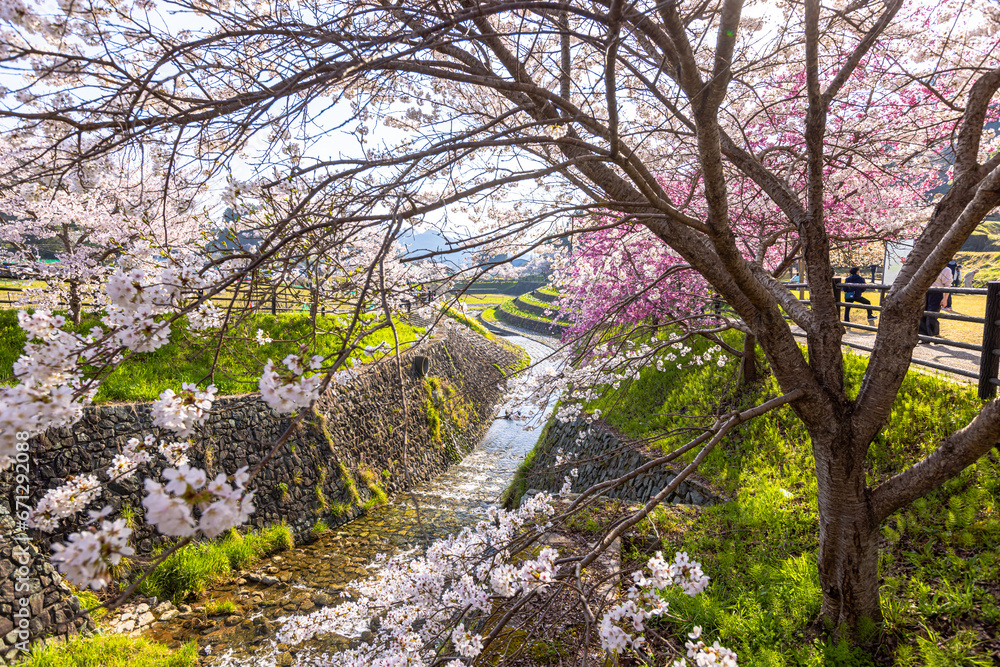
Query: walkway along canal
<point>308,577</point>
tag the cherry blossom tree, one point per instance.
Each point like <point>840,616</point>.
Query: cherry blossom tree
<point>91,216</point>
<point>715,126</point>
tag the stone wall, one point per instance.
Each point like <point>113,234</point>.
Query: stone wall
<point>599,456</point>
<point>545,296</point>
<point>33,598</point>
<point>545,328</point>
<point>340,460</point>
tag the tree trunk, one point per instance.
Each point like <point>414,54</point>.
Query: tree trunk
<point>848,537</point>
<point>75,302</point>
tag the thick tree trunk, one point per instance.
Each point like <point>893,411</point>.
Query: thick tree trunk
<point>75,302</point>
<point>848,537</point>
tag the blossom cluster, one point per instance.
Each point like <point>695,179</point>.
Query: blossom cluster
<point>64,501</point>
<point>287,391</point>
<point>86,556</point>
<point>181,412</point>
<point>221,505</point>
<point>49,390</point>
<point>704,655</point>
<point>206,317</point>
<point>133,455</point>
<point>420,598</point>
<point>644,600</point>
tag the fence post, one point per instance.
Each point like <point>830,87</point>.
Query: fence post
<point>836,296</point>
<point>989,362</point>
<point>274,303</point>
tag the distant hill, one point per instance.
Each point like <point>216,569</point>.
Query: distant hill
<point>435,241</point>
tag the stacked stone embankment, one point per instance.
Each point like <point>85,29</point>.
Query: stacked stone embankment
<point>34,601</point>
<point>339,460</point>
<point>547,297</point>
<point>529,324</point>
<point>599,455</point>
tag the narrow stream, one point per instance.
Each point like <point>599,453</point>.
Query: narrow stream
<point>306,578</point>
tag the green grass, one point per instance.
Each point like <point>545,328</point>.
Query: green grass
<point>320,527</point>
<point>523,361</point>
<point>220,607</point>
<point>477,300</point>
<point>142,377</point>
<point>111,651</point>
<point>379,497</point>
<point>988,264</point>
<point>458,316</point>
<point>511,307</point>
<point>89,600</point>
<point>531,299</point>
<point>192,569</point>
<point>348,480</point>
<point>939,557</point>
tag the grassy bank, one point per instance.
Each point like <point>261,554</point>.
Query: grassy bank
<point>194,568</point>
<point>523,359</point>
<point>111,651</point>
<point>511,307</point>
<point>142,377</point>
<point>987,263</point>
<point>939,568</point>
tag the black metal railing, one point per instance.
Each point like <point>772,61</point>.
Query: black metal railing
<point>988,350</point>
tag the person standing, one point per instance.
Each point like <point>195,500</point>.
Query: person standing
<point>929,325</point>
<point>956,281</point>
<point>853,295</point>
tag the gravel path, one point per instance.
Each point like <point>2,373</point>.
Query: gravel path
<point>966,360</point>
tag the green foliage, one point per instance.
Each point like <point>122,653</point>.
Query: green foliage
<point>511,307</point>
<point>324,505</point>
<point>224,607</point>
<point>193,568</point>
<point>283,488</point>
<point>340,510</point>
<point>433,420</point>
<point>320,527</point>
<point>142,377</point>
<point>938,557</point>
<point>379,496</point>
<point>88,600</point>
<point>128,513</point>
<point>458,316</point>
<point>110,650</point>
<point>348,480</point>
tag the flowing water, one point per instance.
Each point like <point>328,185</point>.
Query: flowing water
<point>306,578</point>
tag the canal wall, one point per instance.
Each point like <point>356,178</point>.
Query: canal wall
<point>599,455</point>
<point>536,326</point>
<point>348,456</point>
<point>33,598</point>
